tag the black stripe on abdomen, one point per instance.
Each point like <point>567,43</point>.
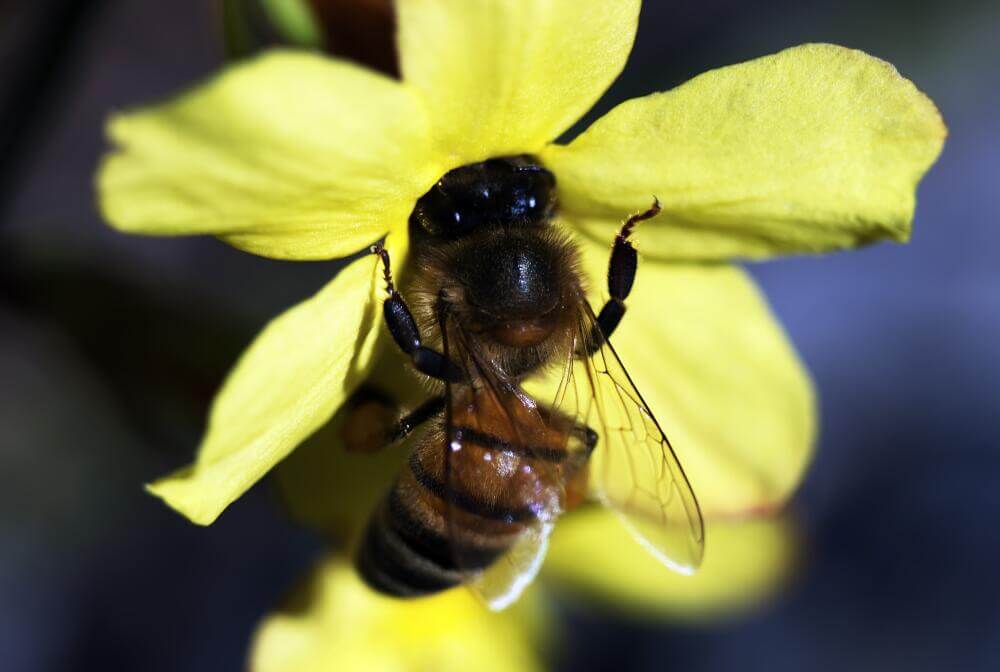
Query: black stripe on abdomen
<point>389,564</point>
<point>493,442</point>
<point>432,545</point>
<point>409,549</point>
<point>400,555</point>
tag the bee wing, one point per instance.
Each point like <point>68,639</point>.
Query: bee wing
<point>633,469</point>
<point>503,477</point>
<point>502,583</point>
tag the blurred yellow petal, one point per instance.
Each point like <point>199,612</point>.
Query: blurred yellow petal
<point>746,561</point>
<point>506,76</point>
<point>290,381</point>
<point>336,623</point>
<point>328,488</point>
<point>331,489</point>
<point>289,155</point>
<point>815,148</point>
<point>718,372</point>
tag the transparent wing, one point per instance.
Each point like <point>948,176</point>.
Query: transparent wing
<point>633,469</point>
<point>505,465</point>
<point>500,584</point>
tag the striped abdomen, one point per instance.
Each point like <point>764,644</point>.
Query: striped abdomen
<point>426,537</point>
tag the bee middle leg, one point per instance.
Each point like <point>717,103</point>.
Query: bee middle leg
<point>579,470</point>
<point>621,277</point>
<point>403,328</point>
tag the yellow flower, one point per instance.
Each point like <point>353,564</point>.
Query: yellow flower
<point>296,156</point>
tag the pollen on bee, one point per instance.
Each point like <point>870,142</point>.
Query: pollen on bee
<point>488,457</point>
<point>455,446</point>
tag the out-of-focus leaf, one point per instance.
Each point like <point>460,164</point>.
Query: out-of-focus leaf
<point>251,25</point>
<point>295,22</point>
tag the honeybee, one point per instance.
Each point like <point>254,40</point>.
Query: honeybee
<point>496,298</point>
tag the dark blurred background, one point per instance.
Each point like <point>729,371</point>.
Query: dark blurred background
<point>111,347</point>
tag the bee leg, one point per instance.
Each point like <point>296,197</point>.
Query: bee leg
<point>404,331</point>
<point>587,436</point>
<point>370,416</point>
<point>424,412</point>
<point>374,421</point>
<point>578,473</point>
<point>621,276</point>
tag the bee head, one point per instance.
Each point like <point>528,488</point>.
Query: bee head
<point>506,192</point>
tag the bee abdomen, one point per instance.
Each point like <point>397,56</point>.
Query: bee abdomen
<point>403,556</point>
<point>389,564</point>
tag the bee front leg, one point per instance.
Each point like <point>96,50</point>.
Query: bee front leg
<point>621,276</point>
<point>403,328</point>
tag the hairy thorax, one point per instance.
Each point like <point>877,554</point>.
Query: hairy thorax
<point>511,296</point>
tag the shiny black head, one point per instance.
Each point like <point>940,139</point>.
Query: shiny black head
<point>506,192</point>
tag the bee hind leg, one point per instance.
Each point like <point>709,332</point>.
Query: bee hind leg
<point>421,414</point>
<point>621,276</point>
<point>372,425</point>
<point>370,413</point>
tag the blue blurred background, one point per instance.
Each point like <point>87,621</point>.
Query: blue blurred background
<point>111,347</point>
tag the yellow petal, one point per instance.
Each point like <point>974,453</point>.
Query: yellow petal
<point>289,155</point>
<point>745,563</point>
<point>506,76</point>
<point>289,382</point>
<point>716,369</point>
<point>328,488</point>
<point>336,623</point>
<point>812,149</point>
